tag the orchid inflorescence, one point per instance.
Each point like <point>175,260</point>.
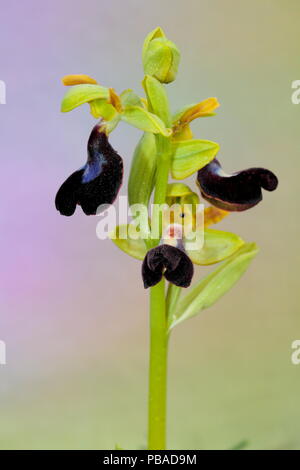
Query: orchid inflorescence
<point>167,147</point>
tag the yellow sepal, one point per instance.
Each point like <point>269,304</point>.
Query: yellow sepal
<point>115,100</point>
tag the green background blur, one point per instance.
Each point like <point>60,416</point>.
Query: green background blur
<point>74,313</point>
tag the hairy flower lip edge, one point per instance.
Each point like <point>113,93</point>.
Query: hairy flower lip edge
<point>97,182</point>
<point>170,262</point>
<point>238,191</point>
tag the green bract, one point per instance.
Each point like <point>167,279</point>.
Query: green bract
<point>80,94</point>
<point>190,156</point>
<point>144,120</point>
<point>218,245</point>
<point>158,102</point>
<point>215,285</point>
<point>142,173</point>
<point>161,57</point>
<point>134,247</point>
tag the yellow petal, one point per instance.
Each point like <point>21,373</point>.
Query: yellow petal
<point>204,108</point>
<point>213,215</point>
<point>185,133</point>
<point>115,100</point>
<point>69,80</point>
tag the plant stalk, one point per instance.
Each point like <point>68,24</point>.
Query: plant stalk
<point>157,369</point>
<point>158,319</point>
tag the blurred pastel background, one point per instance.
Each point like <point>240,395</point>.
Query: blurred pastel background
<point>73,312</point>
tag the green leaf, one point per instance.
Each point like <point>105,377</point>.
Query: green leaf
<point>144,120</point>
<point>130,98</point>
<point>80,94</point>
<point>122,236</point>
<point>101,108</point>
<point>214,286</point>
<point>218,245</point>
<point>142,173</point>
<point>190,156</point>
<point>157,99</point>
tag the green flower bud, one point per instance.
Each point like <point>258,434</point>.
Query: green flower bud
<point>160,57</point>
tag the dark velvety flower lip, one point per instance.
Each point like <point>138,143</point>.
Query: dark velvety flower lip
<point>236,192</point>
<point>97,182</point>
<point>169,261</point>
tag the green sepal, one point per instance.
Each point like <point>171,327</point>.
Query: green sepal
<point>190,156</point>
<point>214,286</point>
<point>134,247</point>
<point>142,173</point>
<point>102,109</point>
<point>218,245</point>
<point>144,120</point>
<point>80,94</point>
<point>157,99</point>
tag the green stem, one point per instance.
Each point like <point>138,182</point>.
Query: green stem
<point>158,319</point>
<point>157,369</point>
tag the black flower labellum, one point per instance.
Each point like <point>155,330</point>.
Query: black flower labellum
<point>169,261</point>
<point>236,192</point>
<point>97,182</point>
